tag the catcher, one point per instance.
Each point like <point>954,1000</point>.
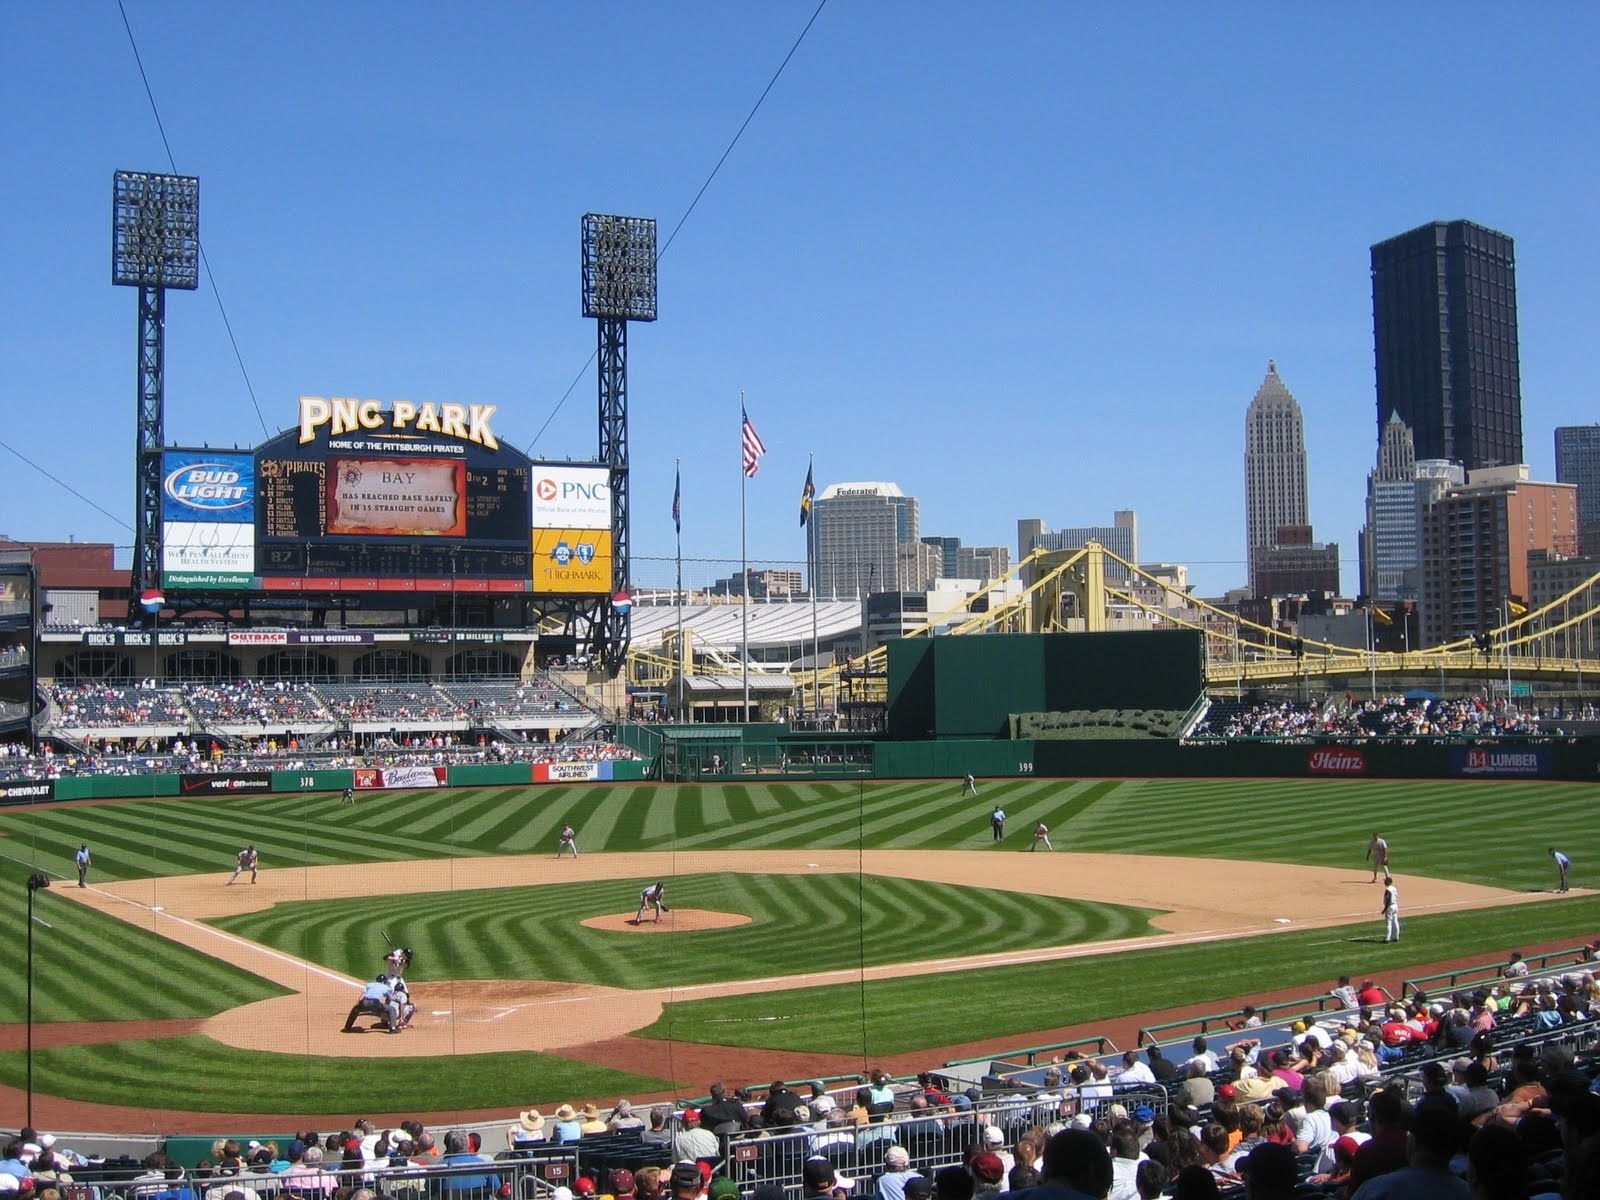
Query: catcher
<point>654,897</point>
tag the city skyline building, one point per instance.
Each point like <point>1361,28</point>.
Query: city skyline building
<point>1476,540</point>
<point>1578,463</point>
<point>1121,537</point>
<point>1275,495</point>
<point>1398,491</point>
<point>857,530</point>
<point>1444,326</point>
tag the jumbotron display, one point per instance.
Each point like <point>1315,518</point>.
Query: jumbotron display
<point>362,496</point>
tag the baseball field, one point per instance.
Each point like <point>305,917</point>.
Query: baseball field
<point>812,929</point>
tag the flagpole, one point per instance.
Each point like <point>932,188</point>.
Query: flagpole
<point>744,566</point>
<point>677,520</point>
<point>811,586</point>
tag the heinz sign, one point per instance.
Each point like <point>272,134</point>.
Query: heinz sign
<point>1337,760</point>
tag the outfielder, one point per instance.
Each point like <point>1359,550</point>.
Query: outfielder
<point>969,786</point>
<point>654,896</point>
<point>569,841</point>
<point>1041,833</point>
<point>248,861</point>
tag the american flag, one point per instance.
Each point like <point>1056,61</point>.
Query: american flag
<point>754,448</point>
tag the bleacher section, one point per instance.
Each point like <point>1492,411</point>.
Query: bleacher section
<point>1390,717</point>
<point>269,715</point>
<point>100,706</point>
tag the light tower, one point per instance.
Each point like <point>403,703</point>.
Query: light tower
<point>619,285</point>
<point>155,245</point>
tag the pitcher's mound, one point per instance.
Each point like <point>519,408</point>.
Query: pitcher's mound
<point>675,920</point>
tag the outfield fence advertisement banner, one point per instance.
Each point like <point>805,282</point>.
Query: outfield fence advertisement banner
<point>230,783</point>
<point>367,778</point>
<point>33,789</point>
<point>1505,762</point>
<point>571,772</point>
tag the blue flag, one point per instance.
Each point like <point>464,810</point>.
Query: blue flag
<point>677,499</point>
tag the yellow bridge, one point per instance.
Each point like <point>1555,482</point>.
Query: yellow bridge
<point>1554,645</point>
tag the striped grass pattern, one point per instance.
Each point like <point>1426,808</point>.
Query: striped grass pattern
<point>201,1075</point>
<point>1477,830</point>
<point>814,923</point>
<point>897,1015</point>
<point>90,967</point>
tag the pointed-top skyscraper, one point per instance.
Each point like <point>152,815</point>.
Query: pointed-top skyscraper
<point>1274,468</point>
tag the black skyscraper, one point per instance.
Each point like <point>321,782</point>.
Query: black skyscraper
<point>1444,323</point>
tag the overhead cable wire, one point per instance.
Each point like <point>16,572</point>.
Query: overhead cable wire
<point>693,204</point>
<point>172,162</point>
<point>61,483</point>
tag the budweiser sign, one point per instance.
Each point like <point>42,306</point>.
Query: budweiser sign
<point>1341,761</point>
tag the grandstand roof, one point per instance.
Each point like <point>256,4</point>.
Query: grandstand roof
<point>782,624</point>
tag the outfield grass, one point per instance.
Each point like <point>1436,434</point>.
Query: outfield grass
<point>894,1016</point>
<point>197,1074</point>
<point>1474,830</point>
<point>91,967</point>
<point>810,923</point>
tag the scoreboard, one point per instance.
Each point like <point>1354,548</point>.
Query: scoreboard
<point>392,518</point>
<point>360,496</point>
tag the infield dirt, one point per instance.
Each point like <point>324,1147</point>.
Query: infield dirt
<point>1199,899</point>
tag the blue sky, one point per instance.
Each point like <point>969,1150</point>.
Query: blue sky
<point>1022,259</point>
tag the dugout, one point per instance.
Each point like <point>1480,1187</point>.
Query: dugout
<point>968,687</point>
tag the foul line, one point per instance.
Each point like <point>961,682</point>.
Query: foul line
<point>159,912</point>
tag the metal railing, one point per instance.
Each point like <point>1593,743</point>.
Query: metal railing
<point>1492,972</point>
<point>1270,1014</point>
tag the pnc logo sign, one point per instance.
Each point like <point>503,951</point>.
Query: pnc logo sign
<point>573,491</point>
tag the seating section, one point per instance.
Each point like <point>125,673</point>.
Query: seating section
<point>1389,717</point>
<point>278,704</point>
<point>101,706</point>
<point>487,701</point>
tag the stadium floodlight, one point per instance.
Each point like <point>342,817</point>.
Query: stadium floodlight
<point>619,268</point>
<point>155,231</point>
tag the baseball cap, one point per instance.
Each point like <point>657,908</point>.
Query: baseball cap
<point>961,1102</point>
<point>621,1181</point>
<point>583,1185</point>
<point>686,1175</point>
<point>993,1135</point>
<point>818,1172</point>
<point>988,1166</point>
<point>1228,1092</point>
<point>1144,1113</point>
<point>919,1187</point>
<point>722,1188</point>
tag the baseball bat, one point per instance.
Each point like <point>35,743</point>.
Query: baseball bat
<point>387,939</point>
